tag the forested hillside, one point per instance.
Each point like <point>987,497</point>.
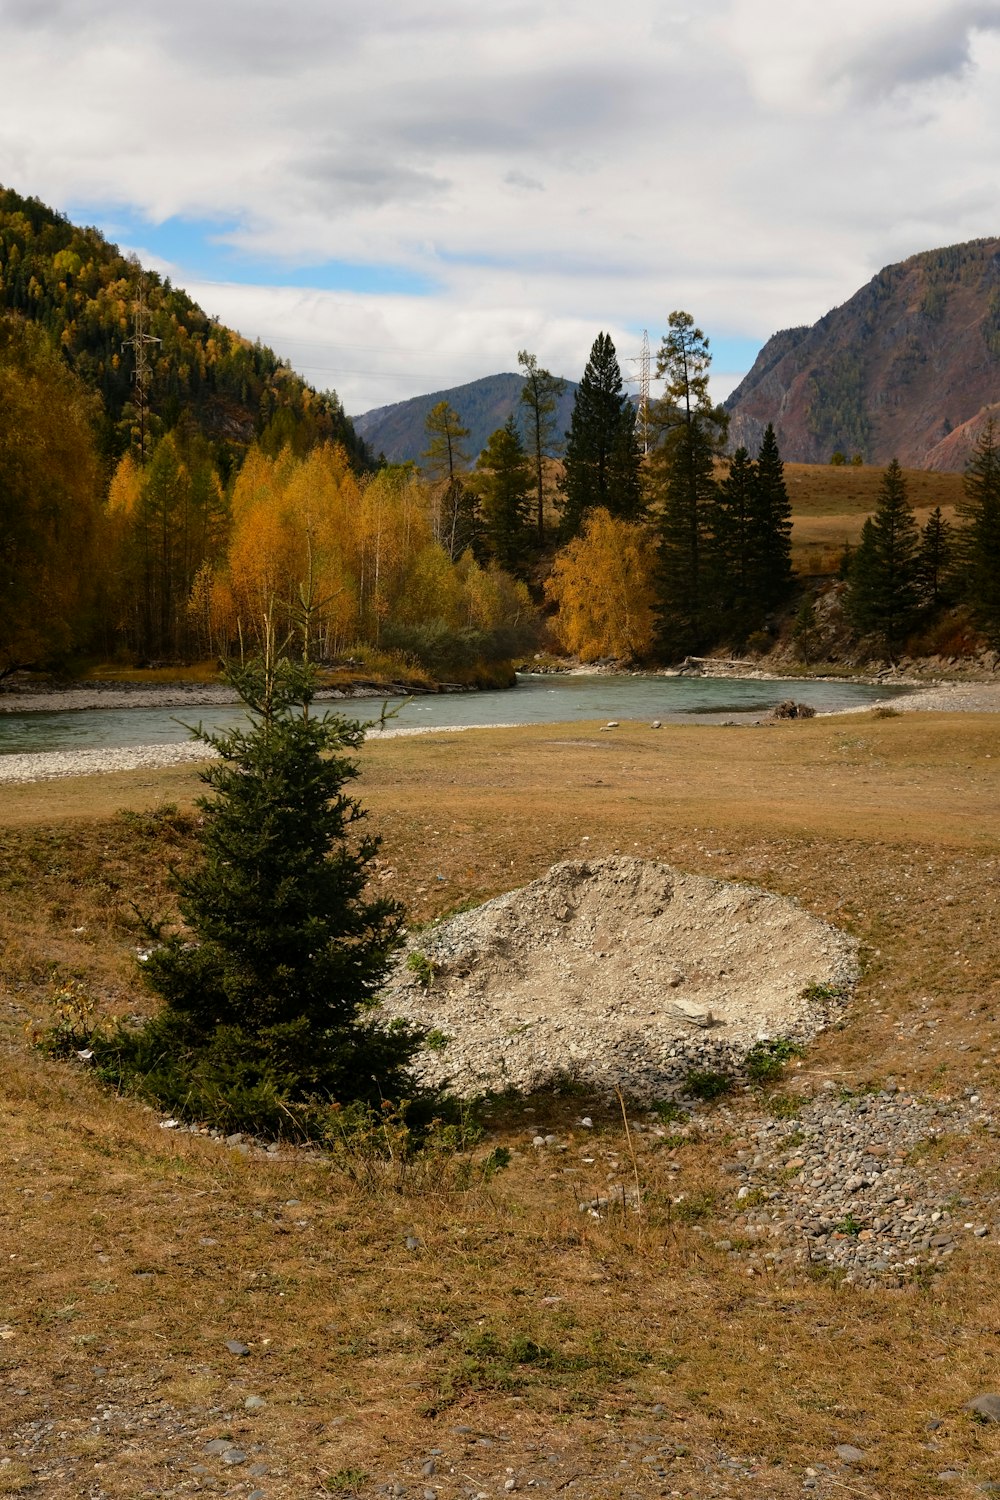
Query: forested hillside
<point>909,359</point>
<point>83,292</point>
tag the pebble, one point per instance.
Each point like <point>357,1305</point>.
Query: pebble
<point>235,1347</point>
<point>848,1454</point>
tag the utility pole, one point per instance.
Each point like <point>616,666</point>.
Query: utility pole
<point>140,376</point>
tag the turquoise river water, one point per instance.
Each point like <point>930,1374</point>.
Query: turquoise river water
<point>536,700</point>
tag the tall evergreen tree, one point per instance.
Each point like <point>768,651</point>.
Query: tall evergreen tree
<point>882,597</point>
<point>539,398</point>
<point>684,466</point>
<point>505,490</point>
<point>770,529</point>
<point>934,558</point>
<point>731,518</point>
<point>602,451</point>
<point>978,542</point>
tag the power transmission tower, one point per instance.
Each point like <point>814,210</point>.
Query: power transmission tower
<point>644,392</point>
<point>140,376</point>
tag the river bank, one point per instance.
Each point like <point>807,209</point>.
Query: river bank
<point>30,765</point>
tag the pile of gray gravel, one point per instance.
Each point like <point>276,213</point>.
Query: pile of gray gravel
<point>621,973</point>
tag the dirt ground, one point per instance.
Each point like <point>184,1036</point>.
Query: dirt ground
<point>462,1329</point>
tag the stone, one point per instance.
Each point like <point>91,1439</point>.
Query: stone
<point>687,1010</point>
<point>848,1454</point>
<point>986,1407</point>
<point>235,1347</point>
<point>218,1445</point>
<point>234,1456</point>
<point>254,1403</point>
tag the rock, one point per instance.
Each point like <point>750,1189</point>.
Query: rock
<point>255,1403</point>
<point>848,1454</point>
<point>235,1347</point>
<point>412,1242</point>
<point>986,1407</point>
<point>218,1445</point>
<point>656,724</point>
<point>428,1468</point>
<point>234,1456</point>
<point>687,1010</point>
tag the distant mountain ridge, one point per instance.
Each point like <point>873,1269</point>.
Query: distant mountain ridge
<point>483,405</point>
<point>894,372</point>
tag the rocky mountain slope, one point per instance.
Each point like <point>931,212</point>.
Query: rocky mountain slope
<point>483,405</point>
<point>903,369</point>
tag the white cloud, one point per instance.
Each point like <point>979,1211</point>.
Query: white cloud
<point>553,171</point>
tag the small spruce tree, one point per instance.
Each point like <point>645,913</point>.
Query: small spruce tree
<point>267,1020</point>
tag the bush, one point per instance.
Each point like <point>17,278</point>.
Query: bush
<point>708,1084</point>
<point>766,1060</point>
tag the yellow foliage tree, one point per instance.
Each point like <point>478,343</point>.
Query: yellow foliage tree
<point>51,522</point>
<point>602,586</point>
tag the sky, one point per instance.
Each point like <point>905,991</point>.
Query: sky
<point>398,195</point>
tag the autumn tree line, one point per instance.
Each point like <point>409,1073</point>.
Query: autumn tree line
<point>160,541</point>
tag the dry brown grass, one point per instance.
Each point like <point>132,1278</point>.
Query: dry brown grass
<point>138,1252</point>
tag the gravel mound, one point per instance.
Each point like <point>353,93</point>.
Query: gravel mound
<point>621,973</point>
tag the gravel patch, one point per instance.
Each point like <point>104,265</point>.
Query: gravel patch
<point>851,1184</point>
<point>623,973</point>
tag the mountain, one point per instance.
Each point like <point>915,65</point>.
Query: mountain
<point>80,288</point>
<point>483,405</point>
<point>892,373</point>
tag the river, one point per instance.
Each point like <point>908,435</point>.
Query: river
<point>538,699</point>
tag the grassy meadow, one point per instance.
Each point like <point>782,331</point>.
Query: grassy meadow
<point>404,1316</point>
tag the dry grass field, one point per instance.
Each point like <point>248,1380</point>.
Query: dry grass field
<point>830,504</point>
<point>430,1330</point>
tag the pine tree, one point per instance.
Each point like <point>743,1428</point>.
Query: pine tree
<point>602,451</point>
<point>684,467</point>
<point>978,542</point>
<point>505,489</point>
<point>539,397</point>
<point>770,541</point>
<point>267,1020</point>
<point>934,558</point>
<point>731,521</point>
<point>882,596</point>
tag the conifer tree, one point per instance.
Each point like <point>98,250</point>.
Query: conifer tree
<point>978,542</point>
<point>731,519</point>
<point>684,467</point>
<point>934,558</point>
<point>504,486</point>
<point>267,1021</point>
<point>539,397</point>
<point>770,529</point>
<point>602,451</point>
<point>882,596</point>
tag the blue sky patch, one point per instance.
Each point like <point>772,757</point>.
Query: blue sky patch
<point>199,250</point>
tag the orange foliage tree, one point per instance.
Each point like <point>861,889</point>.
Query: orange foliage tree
<point>602,587</point>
